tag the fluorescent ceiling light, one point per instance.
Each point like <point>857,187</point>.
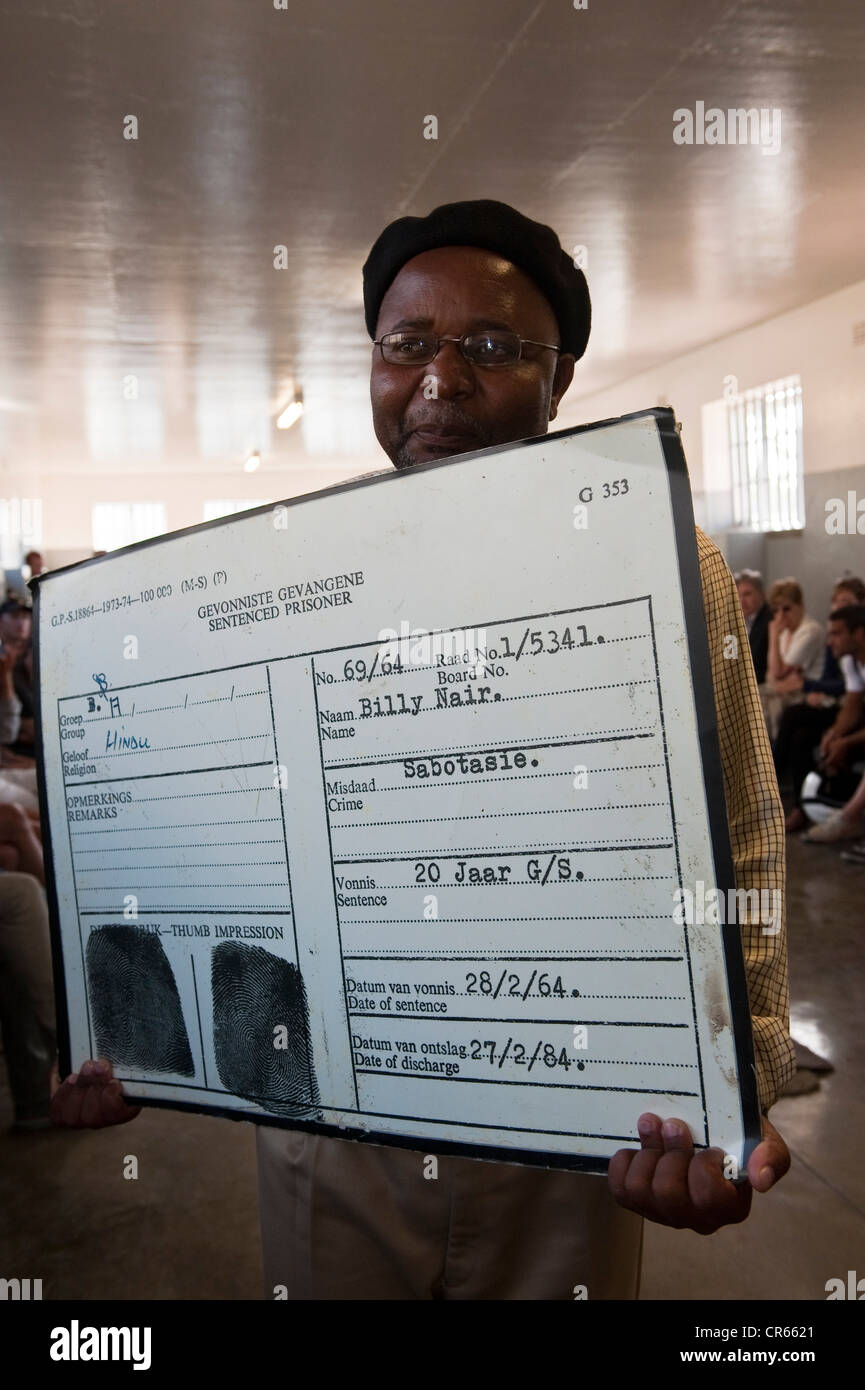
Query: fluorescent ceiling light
<point>252,463</point>
<point>290,415</point>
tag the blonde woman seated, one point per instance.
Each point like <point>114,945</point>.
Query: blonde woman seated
<point>796,647</point>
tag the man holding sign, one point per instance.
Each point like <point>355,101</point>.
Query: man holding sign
<point>477,317</point>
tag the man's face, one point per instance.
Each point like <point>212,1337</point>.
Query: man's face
<point>839,638</point>
<point>451,406</point>
<point>750,598</point>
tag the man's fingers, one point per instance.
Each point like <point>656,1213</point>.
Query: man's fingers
<point>638,1180</point>
<point>91,1107</point>
<point>677,1136</point>
<point>91,1098</point>
<point>781,1156</point>
<point>118,1108</point>
<point>617,1172</point>
<point>649,1130</point>
<point>623,1184</point>
<point>769,1161</point>
<point>681,1188</point>
<point>97,1070</point>
<point>669,1191</point>
<point>654,1180</point>
<point>716,1200</point>
<point>63,1102</point>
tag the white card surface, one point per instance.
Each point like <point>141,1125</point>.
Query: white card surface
<point>372,811</point>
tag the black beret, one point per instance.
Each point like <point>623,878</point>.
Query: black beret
<point>495,227</point>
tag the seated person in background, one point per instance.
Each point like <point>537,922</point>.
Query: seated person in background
<point>846,824</point>
<point>801,726</point>
<point>795,645</point>
<point>25,744</point>
<point>27,1020</point>
<point>34,562</point>
<point>844,743</point>
<point>15,634</point>
<point>850,584</point>
<point>10,705</point>
<point>756,613</point>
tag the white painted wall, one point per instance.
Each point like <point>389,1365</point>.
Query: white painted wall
<point>816,341</point>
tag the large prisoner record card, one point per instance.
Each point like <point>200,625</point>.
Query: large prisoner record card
<point>371,812</point>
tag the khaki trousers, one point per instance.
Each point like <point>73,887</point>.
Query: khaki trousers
<point>348,1220</point>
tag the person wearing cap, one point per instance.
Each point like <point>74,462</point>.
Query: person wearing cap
<point>477,318</point>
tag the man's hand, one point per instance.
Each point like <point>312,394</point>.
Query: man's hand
<point>91,1099</point>
<point>836,754</point>
<point>828,739</point>
<point>790,685</point>
<point>666,1181</point>
<point>826,751</point>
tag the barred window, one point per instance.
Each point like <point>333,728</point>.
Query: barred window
<point>764,427</point>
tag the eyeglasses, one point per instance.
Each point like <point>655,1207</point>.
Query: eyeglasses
<point>493,348</point>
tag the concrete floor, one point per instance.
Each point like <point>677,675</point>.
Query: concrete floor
<point>188,1226</point>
